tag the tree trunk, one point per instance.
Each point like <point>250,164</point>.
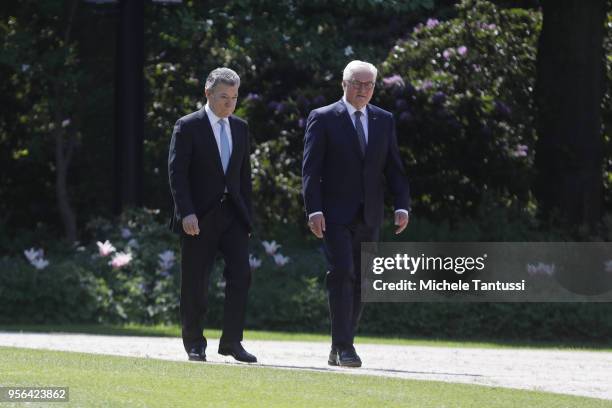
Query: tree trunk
<point>129,106</point>
<point>64,148</point>
<point>62,161</point>
<point>570,86</point>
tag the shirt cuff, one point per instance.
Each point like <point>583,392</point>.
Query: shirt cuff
<point>314,213</point>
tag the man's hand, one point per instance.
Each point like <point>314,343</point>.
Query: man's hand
<point>190,225</point>
<point>317,225</point>
<point>401,220</point>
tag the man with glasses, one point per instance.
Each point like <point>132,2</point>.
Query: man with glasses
<point>350,148</point>
<point>210,180</point>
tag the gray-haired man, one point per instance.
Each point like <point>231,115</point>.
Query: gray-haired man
<point>210,181</point>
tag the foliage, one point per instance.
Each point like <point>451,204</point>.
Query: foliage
<point>64,292</point>
<point>48,130</point>
<point>461,91</point>
<point>289,54</point>
<point>79,285</point>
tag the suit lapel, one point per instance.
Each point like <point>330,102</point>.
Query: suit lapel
<point>209,136</point>
<point>347,127</point>
<point>236,143</point>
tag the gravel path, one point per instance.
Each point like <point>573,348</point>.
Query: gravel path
<point>582,373</point>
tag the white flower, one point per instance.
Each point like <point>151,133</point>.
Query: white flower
<point>221,284</point>
<point>40,263</point>
<point>166,260</point>
<point>132,243</point>
<point>541,269</point>
<point>125,233</point>
<point>25,67</point>
<point>281,260</point>
<point>120,259</point>
<point>35,257</point>
<point>348,51</point>
<point>33,254</point>
<point>254,262</point>
<point>105,248</point>
<point>608,265</point>
<point>270,247</point>
<point>66,123</point>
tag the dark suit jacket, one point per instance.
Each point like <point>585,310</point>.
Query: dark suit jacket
<point>196,176</point>
<point>337,180</point>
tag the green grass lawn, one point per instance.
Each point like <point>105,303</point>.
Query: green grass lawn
<point>175,331</point>
<point>108,381</point>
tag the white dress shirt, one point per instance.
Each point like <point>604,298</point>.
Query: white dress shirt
<point>364,116</point>
<point>216,127</point>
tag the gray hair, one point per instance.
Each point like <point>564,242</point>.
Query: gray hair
<point>221,75</point>
<point>357,65</point>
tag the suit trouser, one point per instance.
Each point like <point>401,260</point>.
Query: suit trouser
<point>220,230</point>
<point>343,280</point>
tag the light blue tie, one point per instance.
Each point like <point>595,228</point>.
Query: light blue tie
<point>225,147</point>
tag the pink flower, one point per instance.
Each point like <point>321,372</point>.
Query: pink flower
<point>393,80</point>
<point>105,248</point>
<point>462,50</point>
<point>120,260</point>
<point>432,22</point>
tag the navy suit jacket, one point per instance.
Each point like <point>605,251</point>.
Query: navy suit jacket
<point>337,179</point>
<point>197,181</point>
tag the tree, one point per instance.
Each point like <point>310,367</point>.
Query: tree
<point>46,77</point>
<point>569,90</point>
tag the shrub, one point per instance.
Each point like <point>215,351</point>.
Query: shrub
<point>461,91</point>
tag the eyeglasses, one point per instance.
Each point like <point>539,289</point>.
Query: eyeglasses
<point>361,85</point>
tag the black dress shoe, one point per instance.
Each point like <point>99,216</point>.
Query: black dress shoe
<point>237,351</point>
<point>344,357</point>
<point>197,354</point>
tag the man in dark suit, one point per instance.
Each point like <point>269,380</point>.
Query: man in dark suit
<point>210,180</point>
<point>350,149</point>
